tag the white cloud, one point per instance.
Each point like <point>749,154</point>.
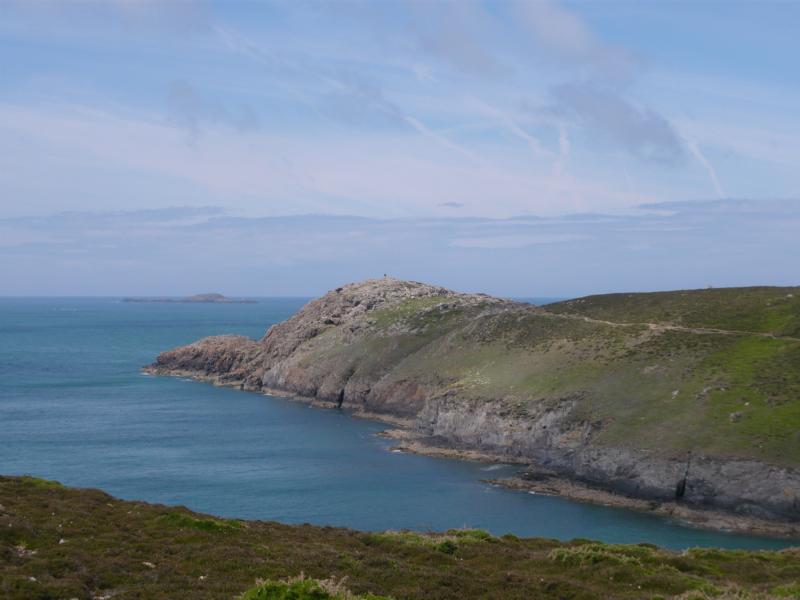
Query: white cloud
<point>712,172</point>
<point>392,174</point>
<point>565,34</point>
<point>357,116</point>
<point>189,109</point>
<point>669,245</point>
<point>641,131</point>
<point>455,32</point>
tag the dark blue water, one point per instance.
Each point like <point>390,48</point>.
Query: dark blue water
<point>74,407</point>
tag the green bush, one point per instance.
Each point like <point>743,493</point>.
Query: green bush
<point>40,483</point>
<point>791,590</point>
<point>302,588</point>
<point>211,525</point>
<point>478,535</point>
<point>591,554</point>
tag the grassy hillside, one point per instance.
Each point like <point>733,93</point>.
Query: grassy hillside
<point>672,390</point>
<point>773,310</point>
<point>57,542</point>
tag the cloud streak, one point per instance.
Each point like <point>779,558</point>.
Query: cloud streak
<point>189,109</point>
<point>566,36</point>
<point>642,132</point>
<point>389,109</point>
<point>657,246</point>
<point>706,164</point>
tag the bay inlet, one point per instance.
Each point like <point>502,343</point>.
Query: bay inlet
<point>75,407</point>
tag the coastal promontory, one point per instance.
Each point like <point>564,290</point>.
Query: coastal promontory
<point>687,398</point>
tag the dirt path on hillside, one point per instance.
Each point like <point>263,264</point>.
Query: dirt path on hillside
<point>667,327</point>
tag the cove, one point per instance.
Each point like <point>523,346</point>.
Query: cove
<point>74,407</point>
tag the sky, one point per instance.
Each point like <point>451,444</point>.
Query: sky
<point>515,147</point>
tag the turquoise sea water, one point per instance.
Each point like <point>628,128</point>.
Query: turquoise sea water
<point>74,407</point>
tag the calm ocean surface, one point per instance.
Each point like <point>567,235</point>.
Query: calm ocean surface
<point>74,407</point>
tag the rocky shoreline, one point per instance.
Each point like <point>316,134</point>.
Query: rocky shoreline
<point>534,479</point>
<point>399,352</point>
<point>541,481</point>
<point>695,517</point>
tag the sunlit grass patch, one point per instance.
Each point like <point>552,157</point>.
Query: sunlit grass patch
<point>303,588</point>
<point>40,483</point>
<point>595,553</point>
<point>447,543</point>
<point>791,590</point>
<point>212,525</point>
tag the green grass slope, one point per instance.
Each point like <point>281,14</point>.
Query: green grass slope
<point>715,371</point>
<point>662,388</point>
<point>57,542</point>
<point>774,310</point>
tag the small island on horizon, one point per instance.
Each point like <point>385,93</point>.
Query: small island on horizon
<point>210,298</point>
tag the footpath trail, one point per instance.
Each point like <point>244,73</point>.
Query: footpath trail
<point>669,327</point>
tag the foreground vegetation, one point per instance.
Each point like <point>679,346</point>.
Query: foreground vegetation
<point>57,542</point>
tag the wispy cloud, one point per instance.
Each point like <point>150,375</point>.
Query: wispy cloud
<point>189,109</point>
<point>456,33</point>
<point>642,132</point>
<point>391,109</point>
<point>565,35</point>
<point>712,173</point>
<point>367,95</point>
<point>656,246</point>
<point>388,175</point>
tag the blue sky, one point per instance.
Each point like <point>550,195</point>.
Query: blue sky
<point>515,147</point>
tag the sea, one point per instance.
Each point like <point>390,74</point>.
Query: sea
<point>75,407</point>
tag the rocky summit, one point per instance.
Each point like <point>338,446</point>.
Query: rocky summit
<point>688,396</point>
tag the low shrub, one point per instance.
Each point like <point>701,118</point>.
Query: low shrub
<point>212,525</point>
<point>303,588</point>
<point>592,554</point>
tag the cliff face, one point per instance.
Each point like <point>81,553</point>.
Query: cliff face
<point>336,349</point>
<point>657,410</point>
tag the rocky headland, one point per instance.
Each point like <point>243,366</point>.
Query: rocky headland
<point>687,400</point>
